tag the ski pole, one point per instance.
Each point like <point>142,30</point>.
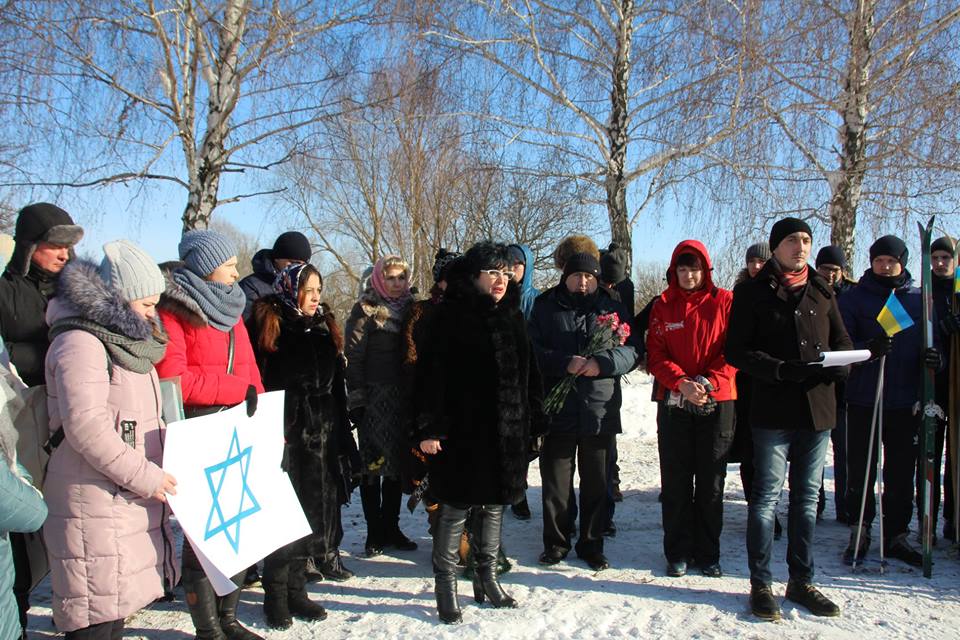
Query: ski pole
<point>866,470</point>
<point>880,462</point>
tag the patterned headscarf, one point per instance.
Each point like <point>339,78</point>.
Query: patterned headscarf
<point>287,285</point>
<point>379,283</point>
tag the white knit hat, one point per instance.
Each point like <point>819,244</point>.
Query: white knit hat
<point>131,271</point>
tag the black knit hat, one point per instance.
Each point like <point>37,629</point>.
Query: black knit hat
<point>890,246</point>
<point>759,250</point>
<point>442,262</point>
<point>582,263</point>
<point>613,264</point>
<point>783,228</point>
<point>831,254</point>
<point>291,245</point>
<point>944,243</point>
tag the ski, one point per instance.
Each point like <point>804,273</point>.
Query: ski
<point>929,407</point>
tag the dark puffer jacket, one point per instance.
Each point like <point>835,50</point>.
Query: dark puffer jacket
<point>259,283</point>
<point>23,325</point>
<point>478,390</point>
<point>560,329</point>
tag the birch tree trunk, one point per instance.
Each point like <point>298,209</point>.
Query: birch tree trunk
<point>617,131</point>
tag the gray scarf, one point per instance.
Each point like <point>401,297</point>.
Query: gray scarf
<point>222,304</point>
<point>134,355</point>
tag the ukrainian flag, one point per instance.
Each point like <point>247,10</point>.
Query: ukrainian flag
<point>893,317</point>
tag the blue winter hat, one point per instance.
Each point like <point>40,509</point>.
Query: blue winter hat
<point>203,251</point>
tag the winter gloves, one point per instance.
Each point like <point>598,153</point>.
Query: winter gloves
<point>932,359</point>
<point>797,370</point>
<point>951,324</point>
<point>705,409</point>
<point>880,346</point>
<point>251,401</point>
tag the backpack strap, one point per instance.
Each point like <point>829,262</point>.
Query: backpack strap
<point>57,436</point>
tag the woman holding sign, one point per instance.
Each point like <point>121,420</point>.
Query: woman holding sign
<point>108,536</point>
<point>210,352</point>
<point>299,349</point>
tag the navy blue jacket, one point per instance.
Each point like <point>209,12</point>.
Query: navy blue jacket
<point>902,382</point>
<point>560,330</point>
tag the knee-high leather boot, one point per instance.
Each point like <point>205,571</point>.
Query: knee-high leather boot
<point>486,549</point>
<point>231,627</point>
<point>370,500</point>
<point>446,543</point>
<point>202,602</point>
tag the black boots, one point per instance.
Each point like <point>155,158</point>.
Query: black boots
<point>487,545</point>
<point>231,627</point>
<point>202,602</point>
<point>381,510</point>
<point>285,592</point>
<point>446,544</point>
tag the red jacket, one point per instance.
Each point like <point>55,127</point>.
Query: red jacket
<point>197,353</point>
<point>688,330</point>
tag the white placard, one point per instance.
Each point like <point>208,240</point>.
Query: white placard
<point>233,500</point>
<point>843,358</point>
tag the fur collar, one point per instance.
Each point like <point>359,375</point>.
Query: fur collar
<point>81,288</point>
<point>373,306</point>
<point>177,301</point>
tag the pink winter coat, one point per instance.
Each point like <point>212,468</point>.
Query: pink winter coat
<point>109,542</point>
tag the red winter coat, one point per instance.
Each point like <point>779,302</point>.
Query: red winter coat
<point>688,330</point>
<point>197,353</point>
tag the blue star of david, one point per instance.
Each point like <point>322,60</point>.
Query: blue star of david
<point>230,527</point>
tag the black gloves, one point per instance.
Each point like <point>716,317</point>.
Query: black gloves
<point>797,371</point>
<point>701,410</point>
<point>951,324</point>
<point>356,416</point>
<point>880,346</point>
<point>932,359</point>
<point>251,401</point>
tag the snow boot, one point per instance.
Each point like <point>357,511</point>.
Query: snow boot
<point>300,605</point>
<point>900,549</point>
<point>861,553</point>
<point>487,546</point>
<point>446,543</point>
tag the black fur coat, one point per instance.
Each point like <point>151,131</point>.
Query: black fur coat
<point>307,365</point>
<point>478,391</point>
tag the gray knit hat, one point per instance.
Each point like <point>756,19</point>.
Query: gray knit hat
<point>203,251</point>
<point>131,271</point>
<point>759,250</point>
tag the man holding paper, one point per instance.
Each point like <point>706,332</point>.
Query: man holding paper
<point>883,313</point>
<point>780,323</point>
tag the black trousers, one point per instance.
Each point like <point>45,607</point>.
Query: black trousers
<point>561,453</point>
<point>112,630</point>
<point>839,439</point>
<point>693,469</point>
<point>947,483</point>
<point>900,447</point>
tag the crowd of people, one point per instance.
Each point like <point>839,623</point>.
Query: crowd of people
<point>449,398</point>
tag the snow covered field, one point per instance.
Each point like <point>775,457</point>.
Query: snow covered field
<point>392,596</point>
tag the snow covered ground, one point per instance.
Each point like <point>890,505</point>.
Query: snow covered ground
<point>392,596</point>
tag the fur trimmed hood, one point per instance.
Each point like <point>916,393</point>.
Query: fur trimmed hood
<point>82,292</point>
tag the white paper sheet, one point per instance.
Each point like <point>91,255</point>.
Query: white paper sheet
<point>233,500</point>
<point>843,358</point>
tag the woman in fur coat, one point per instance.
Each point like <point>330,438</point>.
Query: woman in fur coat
<point>104,477</point>
<point>299,350</point>
<point>478,386</point>
<point>375,350</point>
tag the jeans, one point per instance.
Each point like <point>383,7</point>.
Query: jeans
<point>771,448</point>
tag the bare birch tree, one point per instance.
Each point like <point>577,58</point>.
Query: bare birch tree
<point>862,114</point>
<point>186,91</point>
<point>625,88</point>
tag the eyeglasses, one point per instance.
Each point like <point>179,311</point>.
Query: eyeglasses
<point>497,273</point>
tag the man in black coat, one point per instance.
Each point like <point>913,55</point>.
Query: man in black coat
<point>290,247</point>
<point>44,235</point>
<point>943,267</point>
<point>780,321</point>
<point>563,319</point>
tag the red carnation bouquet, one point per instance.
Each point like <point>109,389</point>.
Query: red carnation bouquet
<point>610,332</point>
